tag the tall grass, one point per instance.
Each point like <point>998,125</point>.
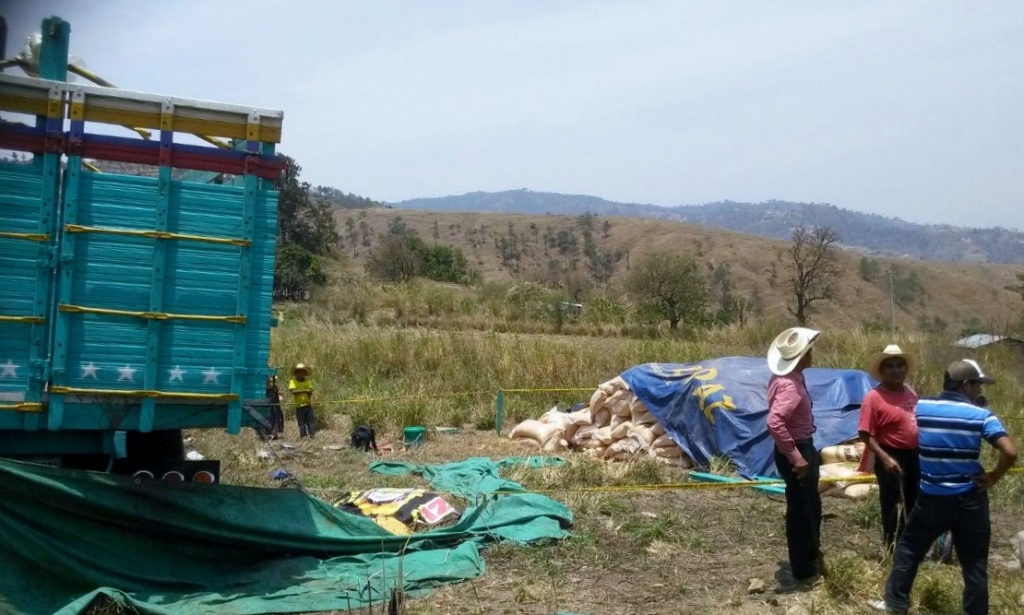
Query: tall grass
<point>390,376</point>
<point>430,355</point>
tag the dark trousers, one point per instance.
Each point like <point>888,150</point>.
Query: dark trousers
<point>897,492</point>
<point>967,517</point>
<point>803,511</point>
<point>276,419</point>
<point>307,421</point>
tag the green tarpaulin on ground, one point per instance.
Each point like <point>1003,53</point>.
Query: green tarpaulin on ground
<point>68,536</point>
<point>466,478</point>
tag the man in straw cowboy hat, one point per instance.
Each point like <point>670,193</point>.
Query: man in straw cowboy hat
<point>954,488</point>
<point>301,388</point>
<point>888,428</point>
<point>791,425</point>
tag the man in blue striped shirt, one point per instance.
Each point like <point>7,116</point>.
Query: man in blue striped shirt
<point>954,487</point>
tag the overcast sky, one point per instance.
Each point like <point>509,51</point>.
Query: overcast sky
<point>912,109</point>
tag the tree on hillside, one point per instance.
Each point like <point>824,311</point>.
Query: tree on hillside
<point>814,269</point>
<point>306,233</point>
<point>600,263</point>
<point>342,200</point>
<point>906,288</point>
<point>401,255</point>
<point>511,249</point>
<point>396,258</point>
<point>870,270</point>
<point>670,285</point>
<point>448,264</point>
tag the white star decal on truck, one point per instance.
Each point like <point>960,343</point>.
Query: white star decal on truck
<point>89,371</point>
<point>10,370</point>
<point>126,373</point>
<point>211,376</point>
<point>177,374</point>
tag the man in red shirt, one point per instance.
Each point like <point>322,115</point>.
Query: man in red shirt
<point>888,428</point>
<point>791,425</point>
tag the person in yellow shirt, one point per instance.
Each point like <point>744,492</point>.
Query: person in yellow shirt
<point>301,388</point>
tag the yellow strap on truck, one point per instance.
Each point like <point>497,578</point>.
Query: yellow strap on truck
<point>78,228</point>
<point>79,309</point>
<point>24,406</point>
<point>144,393</point>
<point>27,236</point>
<point>27,320</point>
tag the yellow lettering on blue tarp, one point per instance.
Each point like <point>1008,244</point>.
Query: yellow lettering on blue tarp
<point>709,396</point>
<point>706,391</point>
<point>694,372</point>
<point>725,404</point>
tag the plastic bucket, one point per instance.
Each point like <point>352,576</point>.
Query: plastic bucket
<point>414,436</point>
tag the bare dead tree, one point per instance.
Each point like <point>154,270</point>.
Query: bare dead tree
<point>815,269</point>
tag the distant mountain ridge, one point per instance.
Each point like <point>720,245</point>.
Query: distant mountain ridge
<point>871,233</point>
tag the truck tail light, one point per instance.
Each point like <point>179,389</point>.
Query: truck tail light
<point>204,476</point>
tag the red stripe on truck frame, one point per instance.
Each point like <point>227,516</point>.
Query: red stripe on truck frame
<point>182,156</point>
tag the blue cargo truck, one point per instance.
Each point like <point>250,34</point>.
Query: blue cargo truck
<point>132,307</point>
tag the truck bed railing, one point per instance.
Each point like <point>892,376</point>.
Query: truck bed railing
<point>162,238</point>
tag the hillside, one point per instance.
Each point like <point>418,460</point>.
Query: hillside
<point>955,295</point>
<point>873,233</point>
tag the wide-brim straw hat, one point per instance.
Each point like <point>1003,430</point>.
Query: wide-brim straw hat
<point>788,348</point>
<point>891,351</point>
<point>302,367</point>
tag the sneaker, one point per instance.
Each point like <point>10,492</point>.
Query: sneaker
<point>880,605</point>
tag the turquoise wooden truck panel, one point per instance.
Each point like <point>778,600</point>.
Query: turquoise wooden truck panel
<point>131,302</point>
<point>115,272</point>
<point>24,252</point>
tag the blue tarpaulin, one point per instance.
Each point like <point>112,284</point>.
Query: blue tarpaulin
<point>719,407</point>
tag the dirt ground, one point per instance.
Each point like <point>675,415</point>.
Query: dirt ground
<point>729,539</point>
<point>648,552</point>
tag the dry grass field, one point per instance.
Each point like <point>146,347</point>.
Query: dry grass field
<point>632,550</point>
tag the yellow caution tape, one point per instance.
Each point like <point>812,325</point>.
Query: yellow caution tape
<point>364,400</point>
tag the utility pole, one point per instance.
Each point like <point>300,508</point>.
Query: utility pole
<point>892,303</point>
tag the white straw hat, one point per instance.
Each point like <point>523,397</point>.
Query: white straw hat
<point>788,348</point>
<point>892,350</point>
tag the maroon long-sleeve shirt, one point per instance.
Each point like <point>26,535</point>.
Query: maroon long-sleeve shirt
<point>789,413</point>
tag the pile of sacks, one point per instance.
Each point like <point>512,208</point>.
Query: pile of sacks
<point>841,461</point>
<point>615,426</point>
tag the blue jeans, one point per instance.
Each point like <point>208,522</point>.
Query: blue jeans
<point>803,511</point>
<point>966,516</point>
<point>307,421</point>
